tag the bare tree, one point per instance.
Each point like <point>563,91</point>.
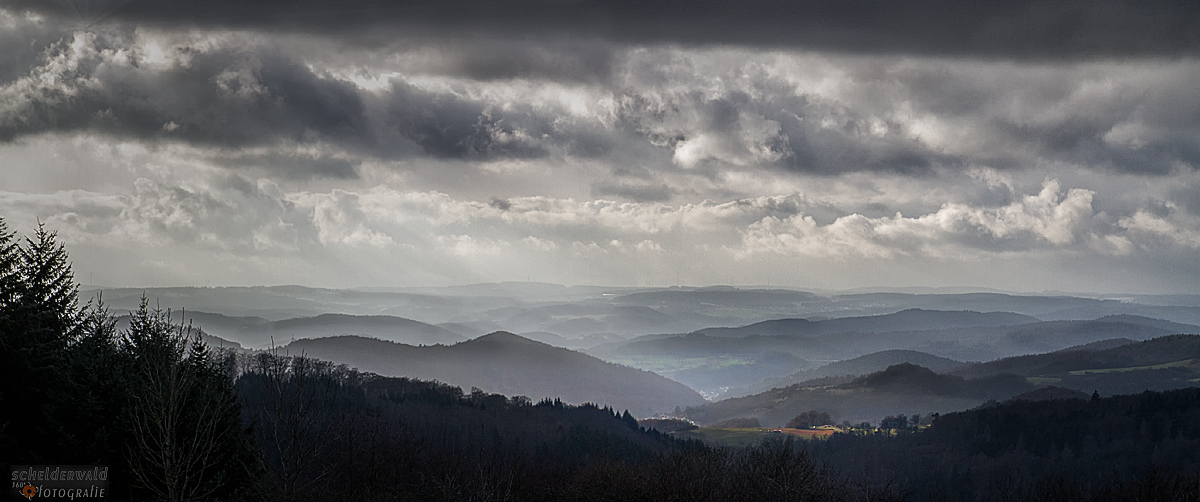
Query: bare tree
<point>294,422</point>
<point>186,430</point>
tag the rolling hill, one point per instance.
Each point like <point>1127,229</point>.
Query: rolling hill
<point>905,320</point>
<point>256,332</point>
<point>723,362</point>
<point>900,389</point>
<point>963,336</point>
<point>861,365</point>
<point>509,364</point>
<point>1162,363</point>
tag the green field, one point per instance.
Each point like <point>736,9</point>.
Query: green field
<point>1043,380</point>
<point>1193,364</point>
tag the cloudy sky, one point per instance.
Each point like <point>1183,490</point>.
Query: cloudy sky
<point>1028,147</point>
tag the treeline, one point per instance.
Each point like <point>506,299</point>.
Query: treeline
<point>327,431</point>
<point>177,421</point>
<point>1133,447</point>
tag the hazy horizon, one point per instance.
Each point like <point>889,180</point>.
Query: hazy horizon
<point>85,286</point>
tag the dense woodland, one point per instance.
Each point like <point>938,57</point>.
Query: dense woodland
<point>1134,447</point>
<point>176,420</point>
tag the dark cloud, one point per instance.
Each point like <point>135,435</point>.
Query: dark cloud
<point>448,126</point>
<point>562,60</point>
<point>852,146</point>
<point>223,99</point>
<point>1018,29</point>
<point>775,126</point>
<point>695,112</point>
<point>1188,196</point>
<point>501,204</point>
<point>23,42</point>
<point>255,97</point>
<point>1138,118</point>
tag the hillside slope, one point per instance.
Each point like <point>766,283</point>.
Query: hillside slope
<point>900,389</point>
<point>509,364</point>
<point>861,365</point>
<point>1163,363</point>
<point>825,340</point>
<point>1167,362</point>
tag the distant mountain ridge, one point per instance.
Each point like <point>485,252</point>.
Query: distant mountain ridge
<point>726,362</point>
<point>256,332</point>
<point>959,335</point>
<point>1162,363</point>
<point>905,320</point>
<point>509,364</point>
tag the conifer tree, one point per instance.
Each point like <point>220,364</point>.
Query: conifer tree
<point>38,319</point>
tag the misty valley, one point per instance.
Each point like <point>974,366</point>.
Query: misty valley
<point>530,391</point>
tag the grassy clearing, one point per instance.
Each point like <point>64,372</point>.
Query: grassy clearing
<point>749,436</point>
<point>1193,364</point>
<point>1042,380</point>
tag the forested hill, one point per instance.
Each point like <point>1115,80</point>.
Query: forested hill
<point>861,365</point>
<point>1127,358</point>
<point>901,388</point>
<point>1130,447</point>
<point>509,364</point>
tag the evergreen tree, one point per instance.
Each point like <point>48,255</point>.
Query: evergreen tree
<point>98,378</point>
<point>38,319</point>
<point>9,265</point>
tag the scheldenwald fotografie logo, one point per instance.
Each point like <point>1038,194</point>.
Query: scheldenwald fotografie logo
<point>69,482</point>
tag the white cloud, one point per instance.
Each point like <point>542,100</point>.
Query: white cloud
<point>339,219</point>
<point>373,236</point>
<point>1173,229</point>
<point>955,231</point>
<point>468,246</point>
<point>540,244</point>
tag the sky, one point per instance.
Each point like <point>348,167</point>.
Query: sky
<point>1030,146</point>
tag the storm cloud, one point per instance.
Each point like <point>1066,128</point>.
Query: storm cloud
<point>1022,29</point>
<point>220,98</point>
<point>826,144</point>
